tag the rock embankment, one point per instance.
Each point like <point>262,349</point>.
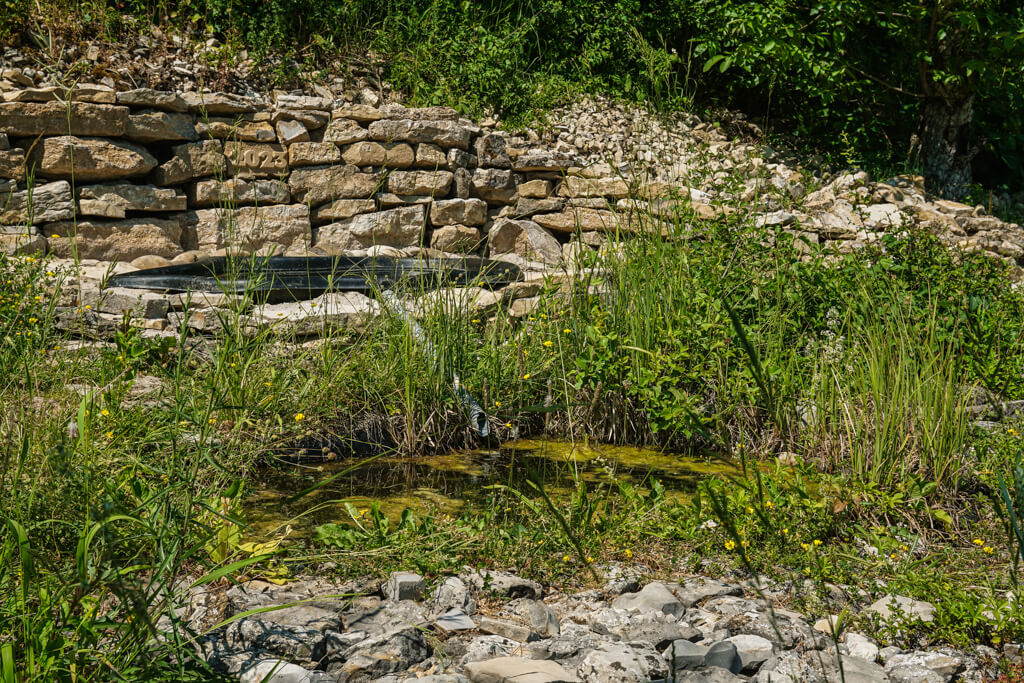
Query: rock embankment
<point>496,627</point>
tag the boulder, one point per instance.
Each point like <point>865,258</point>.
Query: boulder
<point>89,159</point>
<point>753,651</point>
<point>114,199</point>
<point>30,119</point>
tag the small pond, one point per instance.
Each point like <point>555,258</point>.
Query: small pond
<point>444,484</point>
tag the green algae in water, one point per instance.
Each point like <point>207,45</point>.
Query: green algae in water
<point>446,484</point>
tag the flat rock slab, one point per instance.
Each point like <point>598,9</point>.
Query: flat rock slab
<point>654,597</point>
<point>890,606</point>
<point>518,670</point>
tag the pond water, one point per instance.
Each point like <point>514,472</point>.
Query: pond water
<point>445,484</point>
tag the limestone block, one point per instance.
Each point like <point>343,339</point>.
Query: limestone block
<point>344,131</point>
<point>613,188</point>
<point>88,159</point>
<point>429,183</point>
<point>112,200</point>
<point>518,670</point>
<point>12,164</point>
<point>192,160</point>
<point>572,220</point>
<point>539,160</point>
<point>219,103</point>
<point>160,126</point>
<point>535,189</point>
<point>458,212</point>
<point>495,186</point>
<point>491,152</point>
<point>121,300</point>
<point>116,240</point>
<point>303,102</point>
<point>367,153</point>
<point>251,228</point>
<point>523,238</point>
<point>236,129</point>
<point>396,228</point>
<point>328,311</point>
<point>41,204</point>
<point>394,110</point>
<point>312,120</point>
<point>152,99</point>
<point>441,133</point>
<point>430,156</point>
<point>362,113</point>
<point>313,153</point>
<point>291,131</point>
<point>238,191</point>
<point>459,239</point>
<point>29,119</point>
<point>255,160</point>
<point>340,209</point>
<point>22,243</point>
<point>316,185</point>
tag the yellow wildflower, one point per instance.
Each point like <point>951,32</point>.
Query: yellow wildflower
<point>729,545</point>
<point>816,542</point>
<point>978,542</point>
<point>988,549</point>
<point>110,435</point>
<point>497,404</point>
<point>566,558</point>
<point>104,412</point>
<point>549,343</point>
<point>526,376</point>
<point>805,546</point>
<point>750,510</point>
<point>628,553</point>
<point>299,417</point>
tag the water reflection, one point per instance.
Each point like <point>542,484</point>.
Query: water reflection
<point>445,483</point>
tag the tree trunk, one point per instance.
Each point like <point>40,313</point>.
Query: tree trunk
<point>946,146</point>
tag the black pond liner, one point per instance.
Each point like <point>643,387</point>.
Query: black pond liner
<point>283,278</point>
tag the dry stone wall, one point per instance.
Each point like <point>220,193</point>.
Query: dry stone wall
<point>169,177</point>
<point>153,177</point>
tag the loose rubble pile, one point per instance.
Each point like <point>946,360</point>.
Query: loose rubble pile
<point>146,178</point>
<point>494,627</point>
